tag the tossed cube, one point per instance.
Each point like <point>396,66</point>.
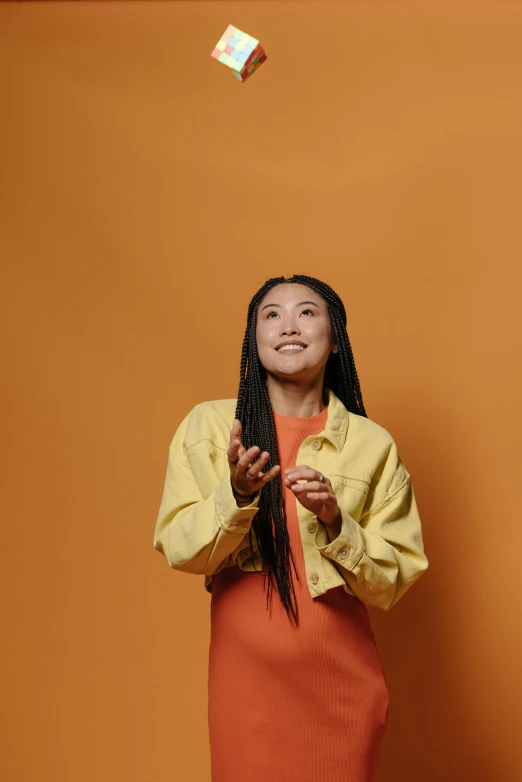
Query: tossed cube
<point>240,52</point>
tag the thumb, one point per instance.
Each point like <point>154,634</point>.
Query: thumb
<point>235,446</point>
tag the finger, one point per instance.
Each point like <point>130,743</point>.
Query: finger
<point>248,456</point>
<point>301,471</point>
<point>237,429</point>
<point>233,452</point>
<point>302,476</point>
<point>308,474</point>
<point>319,495</point>
<point>271,474</point>
<point>235,442</point>
<point>302,488</point>
<point>255,470</point>
<point>235,432</point>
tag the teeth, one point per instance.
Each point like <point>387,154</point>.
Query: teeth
<point>290,347</point>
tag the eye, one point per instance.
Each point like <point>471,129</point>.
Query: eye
<point>273,312</point>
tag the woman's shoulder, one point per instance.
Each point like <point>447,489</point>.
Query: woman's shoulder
<point>372,450</point>
<point>215,408</point>
<point>208,422</point>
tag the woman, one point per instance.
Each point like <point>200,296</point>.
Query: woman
<point>290,487</point>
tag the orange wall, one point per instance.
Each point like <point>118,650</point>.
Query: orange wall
<point>145,195</point>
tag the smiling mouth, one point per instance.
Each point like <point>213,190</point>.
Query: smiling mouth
<point>291,349</point>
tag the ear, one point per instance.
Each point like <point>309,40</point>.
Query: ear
<point>335,349</point>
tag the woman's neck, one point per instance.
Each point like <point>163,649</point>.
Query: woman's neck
<point>296,400</point>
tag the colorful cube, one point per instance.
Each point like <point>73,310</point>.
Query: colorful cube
<point>240,52</point>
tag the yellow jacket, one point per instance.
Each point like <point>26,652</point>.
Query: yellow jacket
<point>377,556</point>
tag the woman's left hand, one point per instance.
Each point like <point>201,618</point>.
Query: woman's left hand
<point>315,495</point>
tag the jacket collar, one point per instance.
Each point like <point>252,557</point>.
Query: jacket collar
<point>337,421</point>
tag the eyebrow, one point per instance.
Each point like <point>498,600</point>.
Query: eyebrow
<point>297,305</point>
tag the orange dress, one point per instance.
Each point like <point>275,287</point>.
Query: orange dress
<point>287,704</point>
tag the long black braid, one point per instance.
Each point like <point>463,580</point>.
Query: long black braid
<point>255,413</point>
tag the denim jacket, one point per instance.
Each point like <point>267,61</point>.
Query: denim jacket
<point>376,557</point>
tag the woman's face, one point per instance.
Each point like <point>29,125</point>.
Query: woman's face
<point>293,314</point>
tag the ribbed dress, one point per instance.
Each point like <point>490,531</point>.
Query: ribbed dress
<point>287,704</point>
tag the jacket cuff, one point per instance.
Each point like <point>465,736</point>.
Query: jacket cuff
<point>347,548</point>
<point>230,517</point>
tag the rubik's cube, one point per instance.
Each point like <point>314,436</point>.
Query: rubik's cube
<point>239,51</point>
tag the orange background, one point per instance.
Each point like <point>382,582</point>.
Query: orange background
<point>145,196</point>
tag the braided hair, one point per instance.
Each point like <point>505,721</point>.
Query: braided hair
<point>255,413</point>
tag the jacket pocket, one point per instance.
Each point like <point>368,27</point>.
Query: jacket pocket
<point>351,494</point>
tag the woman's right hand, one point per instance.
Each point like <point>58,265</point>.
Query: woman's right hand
<point>239,461</point>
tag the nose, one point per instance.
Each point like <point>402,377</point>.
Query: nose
<point>289,331</point>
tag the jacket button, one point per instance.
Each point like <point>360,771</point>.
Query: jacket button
<point>312,526</point>
<point>316,444</point>
<point>343,553</point>
<point>314,578</point>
